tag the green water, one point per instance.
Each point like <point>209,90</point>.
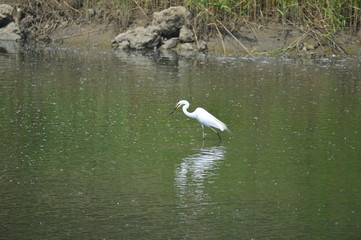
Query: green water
<point>89,151</point>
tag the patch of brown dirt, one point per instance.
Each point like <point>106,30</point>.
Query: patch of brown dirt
<point>275,38</point>
<point>85,34</point>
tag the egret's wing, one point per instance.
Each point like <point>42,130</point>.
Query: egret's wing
<point>209,120</point>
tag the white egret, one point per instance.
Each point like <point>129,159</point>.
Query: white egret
<point>203,117</point>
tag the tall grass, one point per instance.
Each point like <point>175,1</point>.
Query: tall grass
<point>328,16</point>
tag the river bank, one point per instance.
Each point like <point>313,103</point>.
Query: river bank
<point>272,38</point>
<point>265,36</point>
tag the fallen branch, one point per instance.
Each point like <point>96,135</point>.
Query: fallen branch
<point>195,36</point>
<point>317,33</point>
<point>220,37</point>
<point>244,47</point>
<point>67,4</point>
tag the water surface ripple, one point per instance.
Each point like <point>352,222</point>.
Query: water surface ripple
<point>89,151</point>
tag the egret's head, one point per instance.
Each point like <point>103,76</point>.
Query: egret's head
<point>179,104</point>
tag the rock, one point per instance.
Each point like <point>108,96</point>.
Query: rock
<point>89,14</point>
<point>186,35</point>
<point>9,47</point>
<point>6,17</point>
<point>138,39</point>
<point>170,43</point>
<point>202,46</point>
<point>124,44</point>
<point>6,9</point>
<point>9,30</point>
<point>171,20</point>
<point>171,23</point>
<point>10,33</point>
<point>187,47</point>
<point>309,44</point>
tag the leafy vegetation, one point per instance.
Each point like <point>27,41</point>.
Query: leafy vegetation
<point>321,17</point>
<point>331,15</point>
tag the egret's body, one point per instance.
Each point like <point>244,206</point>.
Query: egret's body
<point>203,117</point>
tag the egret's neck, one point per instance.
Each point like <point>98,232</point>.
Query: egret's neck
<point>189,114</point>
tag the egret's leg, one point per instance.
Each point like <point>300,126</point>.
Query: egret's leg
<point>203,131</point>
<point>219,136</point>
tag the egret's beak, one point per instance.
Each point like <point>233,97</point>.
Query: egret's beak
<point>176,107</point>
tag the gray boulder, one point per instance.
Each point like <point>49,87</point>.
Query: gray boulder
<point>186,35</point>
<point>171,20</point>
<point>170,24</point>
<point>6,11</point>
<point>10,33</point>
<point>138,39</point>
<point>187,47</point>
<point>9,30</point>
<point>170,43</point>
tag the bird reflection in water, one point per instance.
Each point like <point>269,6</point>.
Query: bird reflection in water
<point>196,170</point>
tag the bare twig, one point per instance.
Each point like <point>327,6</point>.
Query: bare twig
<point>195,36</point>
<point>334,43</point>
<point>244,47</point>
<point>317,33</point>
<point>220,37</point>
<point>75,10</point>
<point>31,6</point>
<point>141,9</point>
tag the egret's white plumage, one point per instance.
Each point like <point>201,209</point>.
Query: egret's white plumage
<point>203,117</point>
